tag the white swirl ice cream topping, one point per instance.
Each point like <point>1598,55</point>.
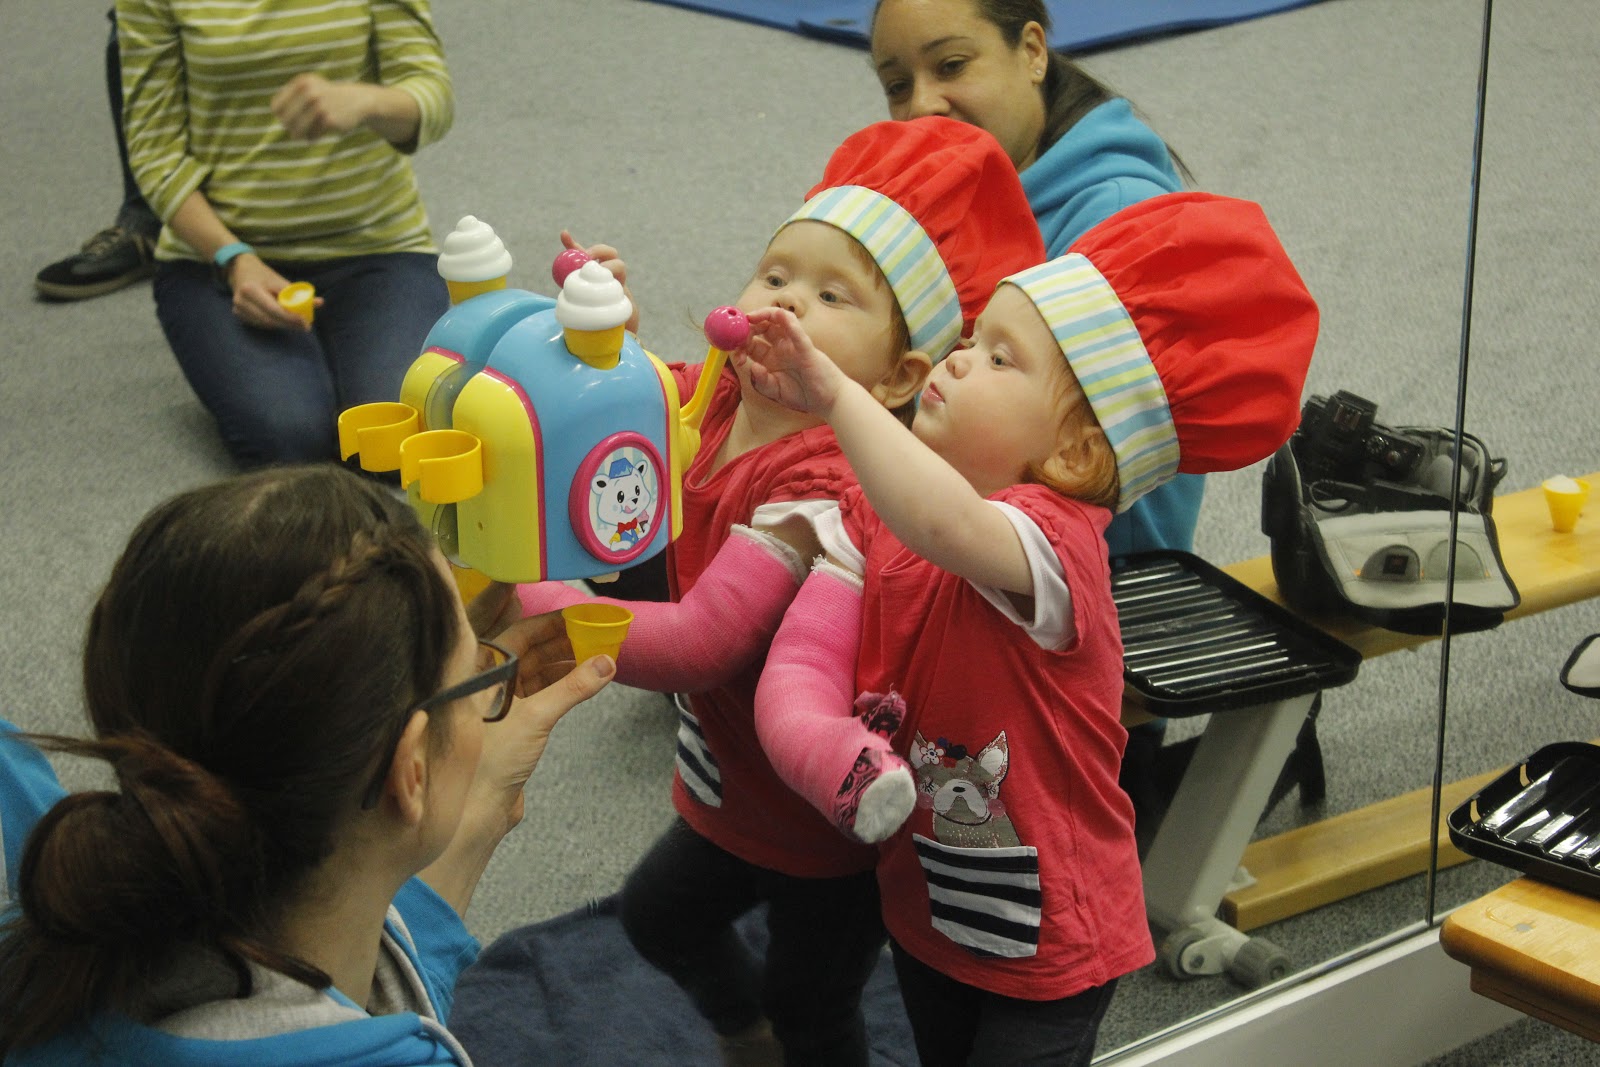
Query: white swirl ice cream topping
<point>592,299</point>
<point>1560,483</point>
<point>473,253</point>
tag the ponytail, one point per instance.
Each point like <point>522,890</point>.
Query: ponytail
<point>111,881</point>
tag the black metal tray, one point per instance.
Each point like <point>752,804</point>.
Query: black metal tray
<point>1547,839</point>
<point>1196,641</point>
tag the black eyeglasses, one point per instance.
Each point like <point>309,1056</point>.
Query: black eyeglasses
<point>497,671</point>
<point>498,678</point>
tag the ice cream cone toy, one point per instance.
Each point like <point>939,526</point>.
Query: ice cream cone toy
<point>1565,497</point>
<point>299,298</point>
<point>595,628</point>
<point>593,309</point>
<point>473,260</point>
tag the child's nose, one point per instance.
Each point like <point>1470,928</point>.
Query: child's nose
<point>790,301</point>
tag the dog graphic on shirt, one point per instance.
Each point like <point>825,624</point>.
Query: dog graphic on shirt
<point>963,789</point>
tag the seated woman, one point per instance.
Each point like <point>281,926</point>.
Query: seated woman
<point>273,140</point>
<point>315,757</point>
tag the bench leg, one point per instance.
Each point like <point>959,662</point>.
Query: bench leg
<point>1196,852</point>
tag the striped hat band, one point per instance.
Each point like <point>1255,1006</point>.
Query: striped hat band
<point>1110,361</point>
<point>907,256</point>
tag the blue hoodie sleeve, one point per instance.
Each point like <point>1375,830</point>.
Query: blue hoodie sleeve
<point>1110,159</point>
<point>28,789</point>
<point>443,946</point>
<point>1163,518</point>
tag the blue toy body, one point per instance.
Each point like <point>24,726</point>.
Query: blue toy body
<point>536,439</point>
<point>577,460</point>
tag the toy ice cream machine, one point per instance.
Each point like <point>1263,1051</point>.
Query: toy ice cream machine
<point>535,437</point>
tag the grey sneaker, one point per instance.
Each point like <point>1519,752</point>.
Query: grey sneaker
<point>108,261</point>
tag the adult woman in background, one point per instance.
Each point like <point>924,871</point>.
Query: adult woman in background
<point>273,142</point>
<point>282,676</point>
<point>1082,152</point>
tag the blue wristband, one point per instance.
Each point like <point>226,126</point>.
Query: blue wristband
<point>228,253</point>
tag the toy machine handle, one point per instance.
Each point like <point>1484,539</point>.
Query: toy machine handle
<point>726,328</point>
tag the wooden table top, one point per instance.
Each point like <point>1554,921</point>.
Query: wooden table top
<point>1534,946</point>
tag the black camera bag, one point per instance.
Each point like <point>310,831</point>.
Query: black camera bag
<point>1359,513</point>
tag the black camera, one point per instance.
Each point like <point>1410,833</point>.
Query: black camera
<point>1341,440</point>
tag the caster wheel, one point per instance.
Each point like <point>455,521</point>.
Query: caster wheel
<point>1257,963</point>
<point>1170,953</point>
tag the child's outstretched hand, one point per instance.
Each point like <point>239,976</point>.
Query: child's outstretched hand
<point>611,260</point>
<point>785,366</point>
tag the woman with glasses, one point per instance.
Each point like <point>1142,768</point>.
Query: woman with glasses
<point>314,758</point>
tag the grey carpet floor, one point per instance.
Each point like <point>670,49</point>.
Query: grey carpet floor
<point>684,138</point>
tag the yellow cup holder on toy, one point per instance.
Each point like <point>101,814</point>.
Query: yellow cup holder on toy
<point>376,432</point>
<point>447,464</point>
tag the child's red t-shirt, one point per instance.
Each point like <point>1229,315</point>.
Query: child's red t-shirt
<point>724,787</point>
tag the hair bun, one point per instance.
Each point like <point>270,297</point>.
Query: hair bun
<point>160,859</point>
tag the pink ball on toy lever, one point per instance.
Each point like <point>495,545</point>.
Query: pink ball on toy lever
<point>727,328</point>
<point>567,262</point>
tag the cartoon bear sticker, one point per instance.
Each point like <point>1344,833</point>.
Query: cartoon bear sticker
<point>623,496</point>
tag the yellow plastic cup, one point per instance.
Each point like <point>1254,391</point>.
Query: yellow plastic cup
<point>595,628</point>
<point>1565,498</point>
<point>299,298</point>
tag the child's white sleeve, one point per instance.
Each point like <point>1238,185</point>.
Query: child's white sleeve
<point>770,515</point>
<point>837,544</point>
<point>826,520</point>
<point>1051,626</point>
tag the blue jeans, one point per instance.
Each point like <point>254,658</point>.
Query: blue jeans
<point>958,1025</point>
<point>277,394</point>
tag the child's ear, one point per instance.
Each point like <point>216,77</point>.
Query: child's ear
<point>1083,460</point>
<point>904,383</point>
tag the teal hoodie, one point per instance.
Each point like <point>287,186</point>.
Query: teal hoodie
<point>1108,161</point>
<point>426,946</point>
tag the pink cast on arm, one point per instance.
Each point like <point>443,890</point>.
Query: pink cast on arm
<point>703,641</point>
<point>806,713</point>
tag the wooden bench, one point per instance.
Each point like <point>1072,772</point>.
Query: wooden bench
<point>1359,850</point>
<point>1535,947</point>
<point>1204,840</point>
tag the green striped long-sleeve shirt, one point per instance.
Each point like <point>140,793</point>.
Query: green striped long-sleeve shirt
<point>198,77</point>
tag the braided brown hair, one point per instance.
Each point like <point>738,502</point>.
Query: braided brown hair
<point>252,652</point>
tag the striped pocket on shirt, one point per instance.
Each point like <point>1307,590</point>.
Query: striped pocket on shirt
<point>697,767</point>
<point>987,900</point>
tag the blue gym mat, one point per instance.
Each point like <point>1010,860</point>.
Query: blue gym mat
<point>1079,25</point>
<point>571,990</point>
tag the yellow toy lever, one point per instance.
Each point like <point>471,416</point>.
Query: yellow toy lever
<point>726,328</point>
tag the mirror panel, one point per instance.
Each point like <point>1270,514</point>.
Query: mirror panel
<point>1352,124</point>
<point>1532,385</point>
